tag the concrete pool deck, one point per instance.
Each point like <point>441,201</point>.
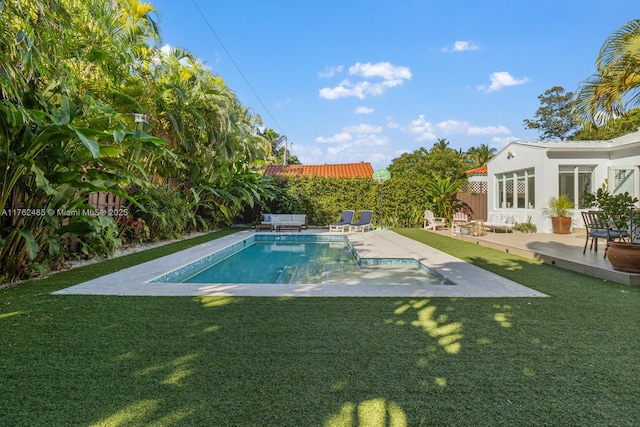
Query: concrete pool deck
<point>471,281</point>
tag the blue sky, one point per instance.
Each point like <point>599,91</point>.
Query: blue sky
<point>353,80</point>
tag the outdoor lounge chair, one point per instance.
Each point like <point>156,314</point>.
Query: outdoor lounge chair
<point>431,222</point>
<point>364,222</point>
<point>598,228</point>
<point>345,220</point>
<point>459,218</point>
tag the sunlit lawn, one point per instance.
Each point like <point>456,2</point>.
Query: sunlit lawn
<point>569,359</point>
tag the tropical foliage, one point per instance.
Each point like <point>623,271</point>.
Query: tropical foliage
<point>280,151</point>
<point>615,86</point>
<point>441,194</point>
<point>89,102</point>
<point>440,159</point>
<point>479,156</point>
<point>627,123</point>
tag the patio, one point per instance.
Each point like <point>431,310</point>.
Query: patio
<point>561,250</point>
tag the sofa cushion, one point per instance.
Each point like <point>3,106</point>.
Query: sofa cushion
<point>300,218</point>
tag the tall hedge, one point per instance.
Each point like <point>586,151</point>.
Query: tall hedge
<point>402,203</point>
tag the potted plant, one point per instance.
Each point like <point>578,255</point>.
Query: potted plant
<point>559,209</point>
<point>623,216</point>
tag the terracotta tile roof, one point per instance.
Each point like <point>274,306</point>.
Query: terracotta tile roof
<point>482,170</point>
<point>345,170</point>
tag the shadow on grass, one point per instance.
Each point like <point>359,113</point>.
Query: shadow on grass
<point>570,359</point>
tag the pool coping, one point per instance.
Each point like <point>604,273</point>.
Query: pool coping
<point>471,281</point>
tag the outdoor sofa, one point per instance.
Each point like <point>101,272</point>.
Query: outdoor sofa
<point>500,222</point>
<point>279,222</point>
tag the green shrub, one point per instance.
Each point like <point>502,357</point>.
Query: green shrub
<point>166,211</point>
<point>525,227</point>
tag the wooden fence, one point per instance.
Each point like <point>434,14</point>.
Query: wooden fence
<point>103,201</point>
<point>107,201</point>
<point>474,194</point>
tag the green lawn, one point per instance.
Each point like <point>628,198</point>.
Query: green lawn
<point>570,359</point>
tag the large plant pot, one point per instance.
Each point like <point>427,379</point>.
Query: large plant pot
<point>624,257</point>
<point>561,224</point>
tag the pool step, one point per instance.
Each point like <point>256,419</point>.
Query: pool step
<point>313,272</point>
<point>288,274</point>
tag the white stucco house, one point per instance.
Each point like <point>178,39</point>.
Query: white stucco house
<point>525,174</point>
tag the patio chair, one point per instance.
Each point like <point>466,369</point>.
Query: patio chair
<point>598,228</point>
<point>364,222</point>
<point>459,218</point>
<point>431,222</point>
<point>345,220</point>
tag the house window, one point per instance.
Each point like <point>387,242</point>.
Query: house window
<point>576,182</point>
<point>516,190</point>
<point>623,181</point>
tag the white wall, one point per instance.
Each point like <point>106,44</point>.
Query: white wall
<point>546,158</point>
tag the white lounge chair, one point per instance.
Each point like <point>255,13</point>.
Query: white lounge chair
<point>459,218</point>
<point>431,222</point>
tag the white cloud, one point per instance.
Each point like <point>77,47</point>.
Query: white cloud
<point>461,46</point>
<point>337,138</point>
<point>363,128</point>
<point>385,70</point>
<point>363,110</point>
<point>359,90</point>
<point>422,128</point>
<point>453,126</point>
<point>500,80</point>
<point>390,74</point>
<point>392,123</point>
<point>426,130</point>
<point>489,130</point>
<point>331,71</point>
<point>360,147</point>
<point>356,143</point>
<point>308,154</point>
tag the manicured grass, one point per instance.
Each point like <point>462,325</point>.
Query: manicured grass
<point>570,359</point>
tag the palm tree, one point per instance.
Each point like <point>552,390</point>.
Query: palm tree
<point>440,144</point>
<point>616,84</point>
<point>479,156</point>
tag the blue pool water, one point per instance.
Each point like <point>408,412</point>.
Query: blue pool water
<point>300,259</point>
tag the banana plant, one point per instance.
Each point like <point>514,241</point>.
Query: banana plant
<point>60,157</point>
<point>441,192</point>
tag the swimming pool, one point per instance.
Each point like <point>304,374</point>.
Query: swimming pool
<point>300,259</point>
<point>374,246</point>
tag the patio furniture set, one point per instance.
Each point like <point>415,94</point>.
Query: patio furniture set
<point>281,222</point>
<point>460,224</point>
